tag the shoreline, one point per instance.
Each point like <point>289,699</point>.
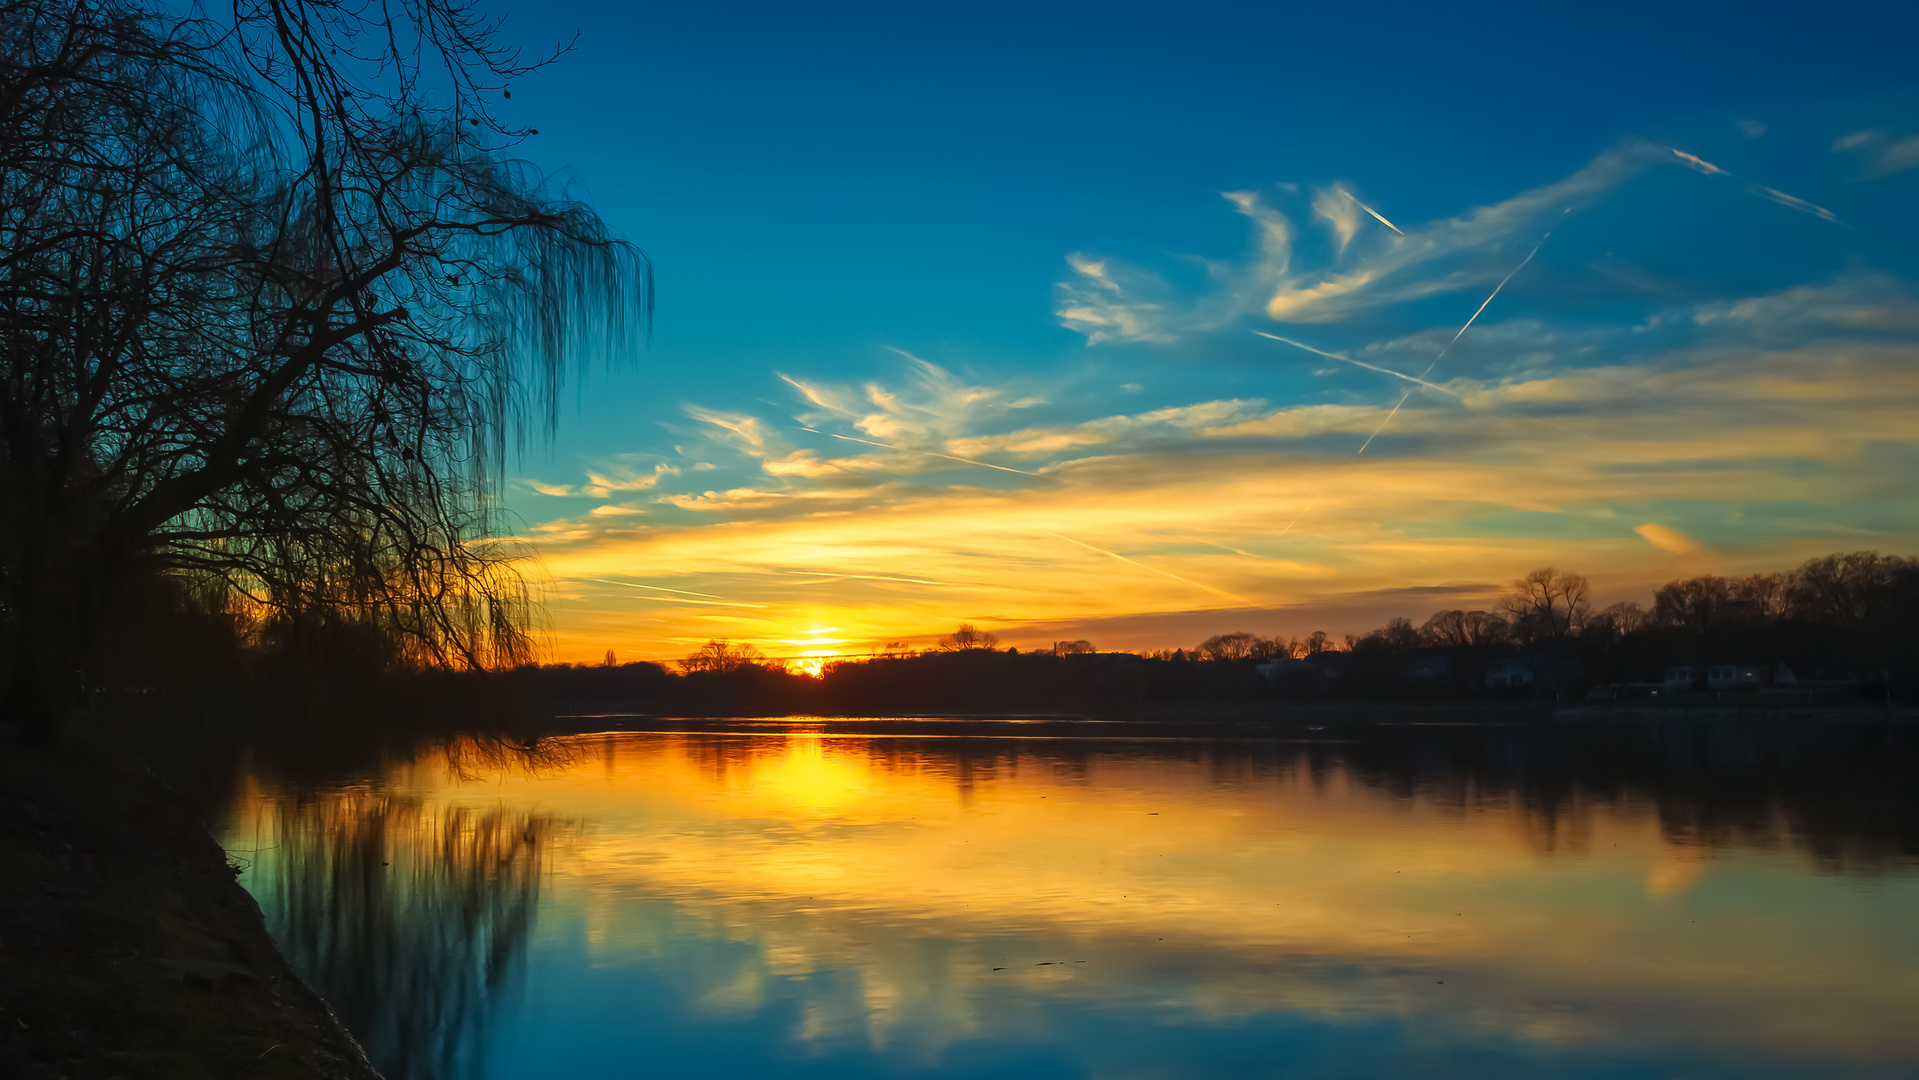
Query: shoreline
<point>1213,722</point>
<point>127,947</point>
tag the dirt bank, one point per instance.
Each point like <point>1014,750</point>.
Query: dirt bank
<point>126,947</point>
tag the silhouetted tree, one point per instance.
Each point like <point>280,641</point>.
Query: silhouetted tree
<point>1618,620</point>
<point>1396,636</point>
<point>1548,603</point>
<point>271,322</point>
<point>1081,647</point>
<point>1230,647</point>
<point>1703,603</point>
<point>1851,590</point>
<point>968,638</point>
<point>1463,628</point>
<point>723,656</point>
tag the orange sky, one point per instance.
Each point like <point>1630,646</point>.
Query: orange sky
<point>1156,530</point>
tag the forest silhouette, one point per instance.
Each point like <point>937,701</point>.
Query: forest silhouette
<point>1840,629</point>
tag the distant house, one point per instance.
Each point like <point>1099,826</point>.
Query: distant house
<point>1426,665</point>
<point>1735,677</point>
<point>1508,673</point>
<point>1680,677</point>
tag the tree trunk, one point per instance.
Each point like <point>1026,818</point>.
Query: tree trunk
<point>51,597</point>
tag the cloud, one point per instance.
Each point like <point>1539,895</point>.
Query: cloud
<point>1108,300</point>
<point>549,489</point>
<point>1855,302</point>
<point>1671,540</point>
<point>1785,447</point>
<point>933,404</point>
<point>1880,153</point>
<point>748,434</point>
<point>1339,211</point>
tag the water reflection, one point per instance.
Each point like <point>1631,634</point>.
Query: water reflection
<point>409,915</point>
<point>1708,898</point>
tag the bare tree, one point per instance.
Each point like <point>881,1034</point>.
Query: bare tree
<point>1227,648</point>
<point>722,655</point>
<point>1081,647</point>
<point>1852,590</point>
<point>274,301</point>
<point>968,638</point>
<point>1620,619</point>
<point>1548,603</point>
<point>1461,628</point>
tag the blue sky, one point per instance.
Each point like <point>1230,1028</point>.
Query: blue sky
<point>1026,249</point>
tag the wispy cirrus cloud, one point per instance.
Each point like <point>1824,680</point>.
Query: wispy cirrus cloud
<point>1714,454</point>
<point>1108,300</point>
<point>1646,430</point>
<point>1880,152</point>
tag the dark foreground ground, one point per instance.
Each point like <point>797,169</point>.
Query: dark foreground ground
<point>126,947</point>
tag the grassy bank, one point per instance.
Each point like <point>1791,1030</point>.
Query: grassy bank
<point>126,947</point>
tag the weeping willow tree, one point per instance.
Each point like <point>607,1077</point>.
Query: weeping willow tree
<point>276,300</point>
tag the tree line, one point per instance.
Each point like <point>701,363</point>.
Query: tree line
<point>1847,618</point>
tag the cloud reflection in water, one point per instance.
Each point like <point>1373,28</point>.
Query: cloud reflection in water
<point>1429,900</point>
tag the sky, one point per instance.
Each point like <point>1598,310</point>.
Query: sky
<point>1140,324</point>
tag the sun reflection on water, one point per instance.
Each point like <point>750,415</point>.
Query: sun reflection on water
<point>906,895</point>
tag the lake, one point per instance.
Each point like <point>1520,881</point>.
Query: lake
<point>1694,897</point>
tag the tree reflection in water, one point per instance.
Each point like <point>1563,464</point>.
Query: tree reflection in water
<point>410,918</point>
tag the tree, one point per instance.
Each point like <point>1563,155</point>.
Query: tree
<point>1318,642</point>
<point>1081,647</point>
<point>1693,603</point>
<point>1227,648</point>
<point>273,325</point>
<point>1619,620</point>
<point>968,639</point>
<point>1851,590</point>
<point>1548,603</point>
<point>1462,628</point>
<point>722,656</point>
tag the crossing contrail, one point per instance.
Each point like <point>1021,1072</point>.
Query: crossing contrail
<point>1154,569</point>
<point>1454,341</point>
<point>1357,363</point>
<point>712,601</point>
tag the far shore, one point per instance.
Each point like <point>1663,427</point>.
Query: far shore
<point>1221,721</point>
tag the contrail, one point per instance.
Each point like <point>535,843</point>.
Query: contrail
<point>1795,202</point>
<point>660,588</point>
<point>1357,363</point>
<point>826,575</point>
<point>1484,306</point>
<point>1699,164</point>
<point>1454,341</point>
<point>1421,382</point>
<point>714,602</point>
<point>925,453</point>
<point>1376,214</point>
<point>1155,569</point>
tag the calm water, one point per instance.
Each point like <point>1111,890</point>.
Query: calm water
<point>1697,899</point>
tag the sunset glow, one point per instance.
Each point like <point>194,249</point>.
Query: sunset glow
<point>1231,888</point>
<point>1427,419</point>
